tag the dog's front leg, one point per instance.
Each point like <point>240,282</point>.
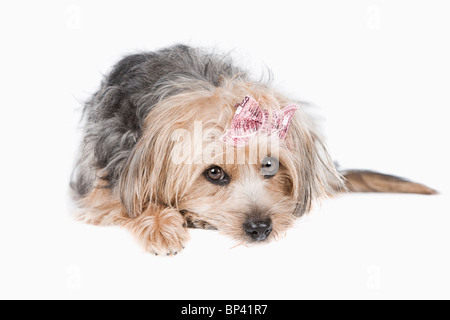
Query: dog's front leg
<point>161,230</point>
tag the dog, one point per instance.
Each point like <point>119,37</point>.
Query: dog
<point>182,138</point>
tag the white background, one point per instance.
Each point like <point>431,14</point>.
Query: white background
<point>378,70</point>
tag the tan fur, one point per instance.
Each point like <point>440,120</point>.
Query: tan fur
<point>160,230</point>
<point>369,181</point>
<point>99,207</point>
<point>153,134</point>
<point>156,198</point>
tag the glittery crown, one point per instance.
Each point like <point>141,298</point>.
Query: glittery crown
<point>250,118</point>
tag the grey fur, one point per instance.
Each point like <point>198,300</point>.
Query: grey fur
<point>115,114</point>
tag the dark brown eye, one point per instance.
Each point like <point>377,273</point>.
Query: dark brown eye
<point>217,175</point>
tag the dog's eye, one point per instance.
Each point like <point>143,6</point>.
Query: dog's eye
<point>269,167</point>
<point>268,164</point>
<point>217,175</point>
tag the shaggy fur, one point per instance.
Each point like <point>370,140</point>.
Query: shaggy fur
<point>152,131</point>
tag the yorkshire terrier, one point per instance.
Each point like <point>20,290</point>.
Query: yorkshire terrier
<point>182,138</point>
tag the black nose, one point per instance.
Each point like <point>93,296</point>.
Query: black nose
<point>258,230</point>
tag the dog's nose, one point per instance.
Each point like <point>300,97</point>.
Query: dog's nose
<point>258,230</point>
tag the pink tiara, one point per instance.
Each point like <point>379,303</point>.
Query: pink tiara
<point>250,119</point>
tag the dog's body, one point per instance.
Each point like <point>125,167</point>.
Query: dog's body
<point>152,158</point>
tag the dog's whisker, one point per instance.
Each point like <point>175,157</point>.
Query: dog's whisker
<point>237,245</point>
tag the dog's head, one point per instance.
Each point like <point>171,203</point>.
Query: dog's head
<point>253,192</point>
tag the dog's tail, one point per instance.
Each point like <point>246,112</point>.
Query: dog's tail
<point>370,181</point>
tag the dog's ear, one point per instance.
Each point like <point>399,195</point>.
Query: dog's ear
<point>317,176</point>
<point>144,178</point>
<point>370,181</point>
<point>157,170</point>
<point>133,185</point>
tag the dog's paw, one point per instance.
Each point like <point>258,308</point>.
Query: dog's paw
<point>164,246</point>
<point>164,252</point>
<point>161,232</point>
